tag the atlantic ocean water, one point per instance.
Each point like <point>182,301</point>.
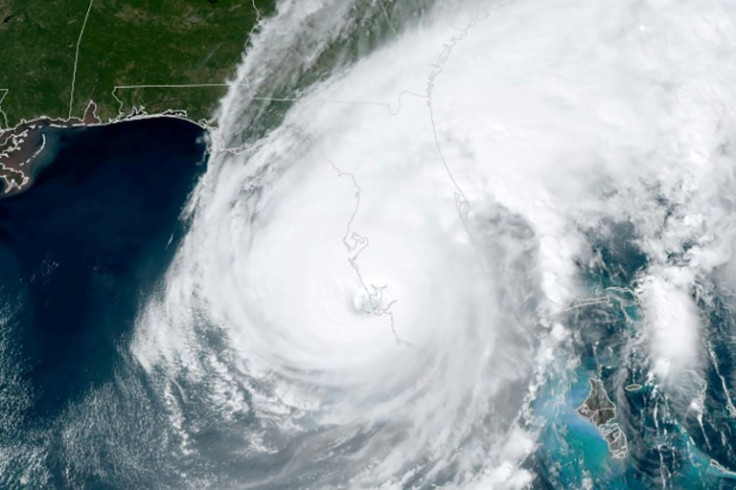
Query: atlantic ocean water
<point>461,244</point>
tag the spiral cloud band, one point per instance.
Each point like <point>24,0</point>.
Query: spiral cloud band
<point>402,218</point>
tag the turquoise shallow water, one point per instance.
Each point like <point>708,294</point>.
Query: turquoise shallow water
<point>89,245</point>
<point>91,240</point>
<point>668,445</point>
<point>84,248</point>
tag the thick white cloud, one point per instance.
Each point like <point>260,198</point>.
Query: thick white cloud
<point>355,285</point>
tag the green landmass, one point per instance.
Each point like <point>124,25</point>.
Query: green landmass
<point>124,43</point>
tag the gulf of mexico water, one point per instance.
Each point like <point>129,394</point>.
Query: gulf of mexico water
<point>79,252</point>
<point>437,228</point>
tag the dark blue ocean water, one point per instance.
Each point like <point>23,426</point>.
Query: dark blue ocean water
<point>85,248</point>
<point>79,252</point>
<point>668,445</point>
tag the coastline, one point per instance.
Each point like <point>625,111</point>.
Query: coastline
<point>22,147</point>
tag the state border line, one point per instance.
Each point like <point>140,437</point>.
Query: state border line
<point>133,87</point>
<point>251,96</point>
<point>217,142</point>
<point>4,93</point>
<point>76,57</point>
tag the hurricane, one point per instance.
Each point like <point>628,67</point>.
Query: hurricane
<point>437,244</point>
